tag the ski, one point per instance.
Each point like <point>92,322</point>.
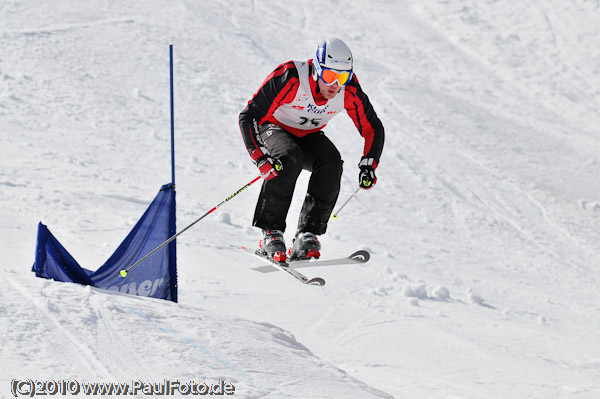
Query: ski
<point>357,257</point>
<point>283,266</point>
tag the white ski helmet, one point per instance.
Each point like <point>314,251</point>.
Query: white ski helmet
<point>332,53</point>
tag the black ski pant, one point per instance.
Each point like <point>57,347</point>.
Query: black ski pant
<point>313,152</point>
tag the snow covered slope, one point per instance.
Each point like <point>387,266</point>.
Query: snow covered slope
<point>483,227</point>
<point>84,334</point>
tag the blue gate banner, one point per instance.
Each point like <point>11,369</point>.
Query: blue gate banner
<point>155,277</point>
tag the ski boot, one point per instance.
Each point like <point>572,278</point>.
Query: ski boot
<point>306,246</point>
<point>273,245</point>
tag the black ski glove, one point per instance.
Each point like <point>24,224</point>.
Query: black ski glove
<point>366,176</point>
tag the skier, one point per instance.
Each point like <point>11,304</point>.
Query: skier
<point>282,128</point>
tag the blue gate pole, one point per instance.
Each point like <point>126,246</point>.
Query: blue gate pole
<point>172,223</point>
<point>172,118</point>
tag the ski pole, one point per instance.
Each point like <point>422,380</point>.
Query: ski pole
<point>125,271</point>
<point>335,215</point>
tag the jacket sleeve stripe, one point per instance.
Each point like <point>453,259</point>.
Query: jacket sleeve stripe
<point>273,91</point>
<point>365,119</point>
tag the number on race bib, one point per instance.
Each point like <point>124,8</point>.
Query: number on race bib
<point>314,121</point>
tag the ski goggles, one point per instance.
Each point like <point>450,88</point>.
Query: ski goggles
<point>330,76</point>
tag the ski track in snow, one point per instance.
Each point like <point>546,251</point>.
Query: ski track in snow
<point>47,310</point>
<point>483,227</point>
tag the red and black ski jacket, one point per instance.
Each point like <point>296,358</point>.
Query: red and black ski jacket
<point>281,86</point>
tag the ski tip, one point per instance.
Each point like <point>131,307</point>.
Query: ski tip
<point>361,256</point>
<point>316,281</point>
